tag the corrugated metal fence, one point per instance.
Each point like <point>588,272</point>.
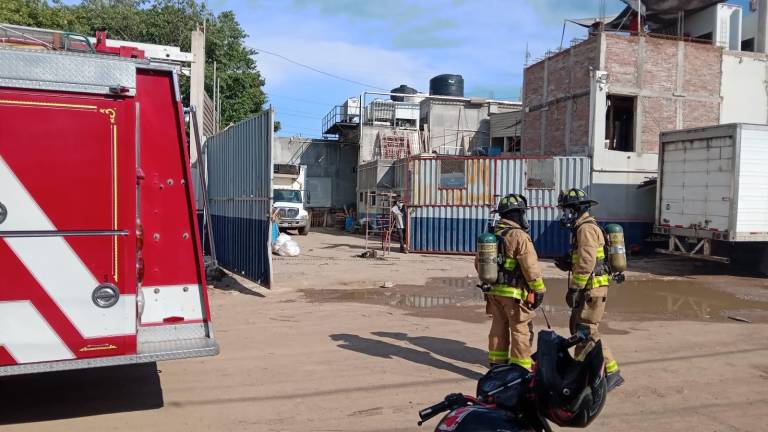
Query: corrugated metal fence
<point>449,219</point>
<point>239,190</point>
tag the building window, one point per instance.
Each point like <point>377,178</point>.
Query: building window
<point>748,45</point>
<point>513,145</point>
<point>540,174</point>
<point>620,123</point>
<point>453,174</point>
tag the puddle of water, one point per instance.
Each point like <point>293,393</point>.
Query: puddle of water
<point>460,299</point>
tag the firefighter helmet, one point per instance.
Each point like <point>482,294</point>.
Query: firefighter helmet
<point>573,198</point>
<point>512,202</point>
<point>573,203</point>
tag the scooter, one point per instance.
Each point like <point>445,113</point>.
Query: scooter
<point>510,398</point>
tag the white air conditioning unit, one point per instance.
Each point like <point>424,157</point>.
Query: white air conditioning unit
<point>350,110</point>
<point>721,23</point>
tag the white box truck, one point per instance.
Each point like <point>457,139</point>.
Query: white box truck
<point>289,196</point>
<point>712,194</point>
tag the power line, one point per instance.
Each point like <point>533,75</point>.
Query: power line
<point>315,102</point>
<point>318,70</point>
<point>293,111</point>
<point>279,113</point>
<point>297,128</point>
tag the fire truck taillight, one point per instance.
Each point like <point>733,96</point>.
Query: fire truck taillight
<point>139,236</point>
<point>140,302</point>
<point>139,269</point>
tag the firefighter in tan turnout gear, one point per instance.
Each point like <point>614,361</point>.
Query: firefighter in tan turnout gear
<point>588,286</point>
<point>519,289</point>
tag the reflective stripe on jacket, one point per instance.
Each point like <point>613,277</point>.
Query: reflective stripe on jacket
<point>588,255</point>
<point>519,252</point>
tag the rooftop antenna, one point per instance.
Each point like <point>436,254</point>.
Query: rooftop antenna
<point>562,36</point>
<point>527,55</point>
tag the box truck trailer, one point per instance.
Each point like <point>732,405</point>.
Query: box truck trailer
<point>712,195</point>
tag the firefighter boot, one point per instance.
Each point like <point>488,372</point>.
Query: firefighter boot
<point>614,379</point>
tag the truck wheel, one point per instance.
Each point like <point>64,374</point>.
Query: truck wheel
<point>304,230</point>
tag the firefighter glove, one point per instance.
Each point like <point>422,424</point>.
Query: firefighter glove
<point>573,297</point>
<point>538,298</point>
<point>563,263</point>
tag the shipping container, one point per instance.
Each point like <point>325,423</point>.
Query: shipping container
<point>450,198</point>
<point>713,186</point>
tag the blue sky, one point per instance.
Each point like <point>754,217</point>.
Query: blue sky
<point>386,43</point>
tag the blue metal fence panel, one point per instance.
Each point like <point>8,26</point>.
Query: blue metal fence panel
<point>454,229</point>
<point>449,229</point>
<point>239,190</point>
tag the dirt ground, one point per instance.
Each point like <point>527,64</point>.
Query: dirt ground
<point>348,344</point>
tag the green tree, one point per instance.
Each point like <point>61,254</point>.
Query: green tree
<point>163,22</point>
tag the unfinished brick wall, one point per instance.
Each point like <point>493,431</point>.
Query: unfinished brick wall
<point>700,113</point>
<point>656,114</point>
<point>676,85</point>
<point>556,102</point>
<point>702,70</point>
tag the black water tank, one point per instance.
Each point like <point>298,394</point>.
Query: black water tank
<point>403,90</point>
<point>447,85</point>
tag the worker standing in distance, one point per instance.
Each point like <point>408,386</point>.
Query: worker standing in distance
<point>588,285</point>
<point>519,289</point>
<point>398,213</point>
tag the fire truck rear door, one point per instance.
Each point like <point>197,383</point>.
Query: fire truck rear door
<point>67,226</point>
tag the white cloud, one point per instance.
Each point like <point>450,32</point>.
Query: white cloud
<point>368,64</point>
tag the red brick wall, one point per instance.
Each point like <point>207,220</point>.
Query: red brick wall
<point>649,66</point>
<point>702,70</point>
<point>534,84</point>
<point>585,55</point>
<point>644,67</point>
<point>554,135</point>
<point>659,65</point>
<point>622,69</point>
<point>580,125</point>
<point>567,73</point>
<point>700,113</point>
<point>530,139</point>
<point>657,114</point>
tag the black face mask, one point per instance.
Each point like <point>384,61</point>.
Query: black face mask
<point>570,215</point>
<point>520,218</point>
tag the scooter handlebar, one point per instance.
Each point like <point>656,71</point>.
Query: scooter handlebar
<point>452,401</point>
<point>428,413</point>
<point>579,337</point>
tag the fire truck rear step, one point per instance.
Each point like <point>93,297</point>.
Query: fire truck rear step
<point>147,352</point>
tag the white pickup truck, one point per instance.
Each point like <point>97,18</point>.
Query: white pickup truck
<point>289,196</point>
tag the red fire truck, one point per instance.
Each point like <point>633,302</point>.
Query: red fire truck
<point>100,257</point>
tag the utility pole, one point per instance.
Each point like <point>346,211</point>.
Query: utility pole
<point>197,86</point>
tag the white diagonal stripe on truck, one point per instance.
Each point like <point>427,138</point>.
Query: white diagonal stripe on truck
<point>27,336</point>
<point>57,268</point>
